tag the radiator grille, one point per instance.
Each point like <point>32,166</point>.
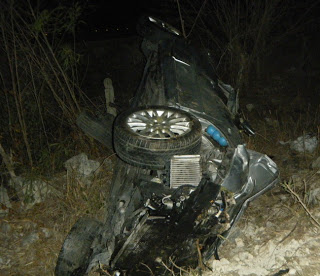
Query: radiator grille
<point>185,170</point>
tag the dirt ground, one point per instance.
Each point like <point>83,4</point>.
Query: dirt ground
<point>275,234</point>
<point>30,240</point>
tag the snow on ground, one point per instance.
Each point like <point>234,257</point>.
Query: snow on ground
<point>274,236</point>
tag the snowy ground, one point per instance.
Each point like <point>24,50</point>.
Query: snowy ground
<point>273,237</point>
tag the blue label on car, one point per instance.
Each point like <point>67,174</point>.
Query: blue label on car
<point>216,135</point>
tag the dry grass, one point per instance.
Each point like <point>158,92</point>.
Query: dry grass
<point>56,215</point>
<point>303,203</point>
<point>39,79</point>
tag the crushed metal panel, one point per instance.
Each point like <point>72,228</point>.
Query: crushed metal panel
<point>185,170</point>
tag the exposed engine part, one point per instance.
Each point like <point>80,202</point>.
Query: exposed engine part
<point>211,156</point>
<point>156,180</point>
<point>148,205</point>
<point>185,170</point>
<point>167,202</point>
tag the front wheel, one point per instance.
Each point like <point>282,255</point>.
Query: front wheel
<point>149,137</point>
<point>76,249</point>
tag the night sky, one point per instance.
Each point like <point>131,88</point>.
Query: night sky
<point>112,12</point>
<point>121,16</point>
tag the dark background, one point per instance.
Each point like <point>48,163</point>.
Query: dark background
<point>103,19</point>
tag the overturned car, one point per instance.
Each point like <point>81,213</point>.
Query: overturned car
<point>184,176</point>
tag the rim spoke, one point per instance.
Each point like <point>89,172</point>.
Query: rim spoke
<point>185,128</point>
<point>136,124</point>
<point>178,131</point>
<point>170,133</point>
<point>159,123</point>
<point>141,118</point>
<point>177,120</point>
<point>145,132</point>
<point>186,123</point>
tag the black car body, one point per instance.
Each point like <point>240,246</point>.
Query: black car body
<point>184,176</point>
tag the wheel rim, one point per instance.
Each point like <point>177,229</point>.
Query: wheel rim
<point>159,123</point>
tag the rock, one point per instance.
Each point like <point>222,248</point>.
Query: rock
<point>81,165</point>
<point>31,192</point>
<point>220,265</point>
<point>239,242</point>
<point>30,239</point>
<point>316,163</point>
<point>224,261</point>
<point>292,271</point>
<point>305,143</point>
<point>271,122</point>
<point>250,107</point>
<point>314,196</point>
<point>244,256</point>
<point>47,233</point>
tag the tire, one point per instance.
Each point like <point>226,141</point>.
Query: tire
<point>76,249</point>
<point>153,146</point>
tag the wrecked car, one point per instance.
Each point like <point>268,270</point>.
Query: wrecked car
<point>183,177</point>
